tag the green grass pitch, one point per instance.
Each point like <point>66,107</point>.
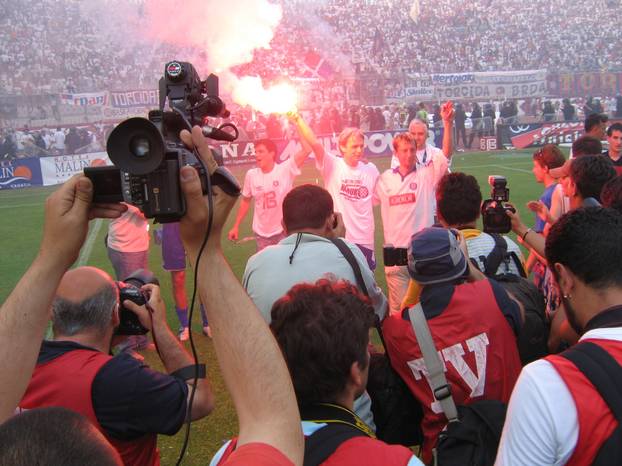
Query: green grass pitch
<point>21,213</point>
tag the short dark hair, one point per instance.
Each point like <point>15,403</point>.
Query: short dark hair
<point>268,144</point>
<point>594,119</point>
<point>587,241</point>
<point>458,198</point>
<point>306,206</point>
<point>586,145</point>
<point>614,127</point>
<point>590,173</point>
<point>611,195</point>
<point>322,329</point>
<point>549,156</point>
<point>53,436</point>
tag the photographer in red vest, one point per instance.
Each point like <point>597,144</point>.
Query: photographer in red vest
<point>129,402</point>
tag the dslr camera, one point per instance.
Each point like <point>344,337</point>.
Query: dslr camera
<point>129,289</point>
<point>494,218</point>
<point>147,153</point>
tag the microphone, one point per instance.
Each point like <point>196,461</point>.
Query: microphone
<point>217,133</point>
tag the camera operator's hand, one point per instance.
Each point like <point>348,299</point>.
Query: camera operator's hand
<point>193,225</point>
<point>518,226</point>
<point>67,212</point>
<point>154,312</point>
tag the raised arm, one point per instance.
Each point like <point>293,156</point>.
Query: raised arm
<point>307,135</point>
<point>250,360</point>
<point>26,312</point>
<point>447,114</point>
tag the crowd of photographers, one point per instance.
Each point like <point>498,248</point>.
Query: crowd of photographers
<point>297,330</point>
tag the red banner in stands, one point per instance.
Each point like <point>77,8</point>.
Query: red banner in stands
<point>597,84</point>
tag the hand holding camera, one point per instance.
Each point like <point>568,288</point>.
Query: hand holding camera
<point>153,310</point>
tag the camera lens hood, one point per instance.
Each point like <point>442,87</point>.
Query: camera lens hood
<point>136,146</point>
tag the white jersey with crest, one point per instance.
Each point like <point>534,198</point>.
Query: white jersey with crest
<point>408,204</point>
<point>352,191</point>
<point>269,190</point>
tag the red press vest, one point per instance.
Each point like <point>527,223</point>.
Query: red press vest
<point>66,381</point>
<point>596,421</point>
<point>477,346</point>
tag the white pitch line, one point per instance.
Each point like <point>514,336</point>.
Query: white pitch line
<point>85,253</point>
<point>16,206</point>
<point>522,170</point>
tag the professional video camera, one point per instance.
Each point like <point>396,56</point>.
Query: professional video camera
<point>493,210</point>
<point>130,289</point>
<point>148,154</point>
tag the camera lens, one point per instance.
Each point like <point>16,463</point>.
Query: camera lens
<point>139,146</point>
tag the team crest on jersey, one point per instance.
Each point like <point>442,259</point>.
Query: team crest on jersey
<point>275,183</point>
<point>413,186</point>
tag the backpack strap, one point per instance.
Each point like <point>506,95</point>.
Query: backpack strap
<point>496,256</point>
<point>356,268</point>
<point>341,425</point>
<point>602,370</point>
<point>500,254</point>
<point>434,365</point>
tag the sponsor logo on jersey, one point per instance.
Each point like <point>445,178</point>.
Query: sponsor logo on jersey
<point>399,199</point>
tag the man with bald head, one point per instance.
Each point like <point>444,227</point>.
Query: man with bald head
<point>129,402</point>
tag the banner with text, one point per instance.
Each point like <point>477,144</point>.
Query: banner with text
<point>539,134</point>
<point>20,173</point>
<point>596,84</point>
<point>377,144</point>
<point>490,85</point>
<point>56,170</point>
<point>85,99</point>
<point>135,98</point>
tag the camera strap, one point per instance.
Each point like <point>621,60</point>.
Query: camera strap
<point>189,372</point>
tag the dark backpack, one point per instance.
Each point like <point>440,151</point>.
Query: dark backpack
<point>533,337</point>
<point>604,372</point>
<point>474,438</point>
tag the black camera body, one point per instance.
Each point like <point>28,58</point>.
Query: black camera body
<point>129,289</point>
<point>148,154</point>
<point>494,215</point>
<point>394,256</point>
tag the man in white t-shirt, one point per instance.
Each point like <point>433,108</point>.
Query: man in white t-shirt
<point>59,141</point>
<point>407,205</point>
<point>267,184</point>
<point>351,184</point>
<point>556,415</point>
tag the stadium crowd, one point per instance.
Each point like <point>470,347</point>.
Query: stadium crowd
<point>493,35</point>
